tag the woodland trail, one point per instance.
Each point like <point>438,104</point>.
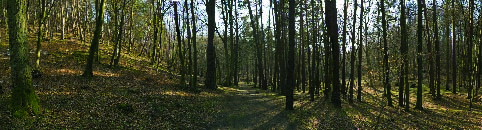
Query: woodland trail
<point>249,108</point>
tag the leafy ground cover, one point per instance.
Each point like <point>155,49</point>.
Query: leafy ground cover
<point>133,96</point>
<point>137,96</point>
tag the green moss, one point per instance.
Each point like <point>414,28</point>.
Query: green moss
<point>20,114</point>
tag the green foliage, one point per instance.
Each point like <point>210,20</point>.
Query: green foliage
<point>20,114</point>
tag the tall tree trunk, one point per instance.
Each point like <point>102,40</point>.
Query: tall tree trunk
<point>119,36</point>
<point>332,28</point>
<point>95,40</point>
<point>291,57</point>
<point>39,33</point>
<point>194,47</point>
<point>386,75</point>
<point>469,49</point>
<point>360,55</point>
<point>343,63</point>
<point>23,95</point>
<point>454,58</point>
<point>154,23</point>
<point>437,49</point>
<point>179,45</point>
<point>352,59</point>
<point>418,105</point>
<point>403,48</point>
<point>210,81</point>
<point>188,30</point>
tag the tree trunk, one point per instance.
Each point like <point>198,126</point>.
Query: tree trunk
<point>332,29</point>
<point>179,45</point>
<point>360,55</point>
<point>419,56</point>
<point>291,57</point>
<point>95,40</point>
<point>343,63</point>
<point>194,47</point>
<point>437,50</point>
<point>119,36</point>
<point>24,98</point>
<point>403,48</point>
<point>352,59</point>
<point>454,58</point>
<point>39,33</point>
<point>386,67</point>
<point>210,81</point>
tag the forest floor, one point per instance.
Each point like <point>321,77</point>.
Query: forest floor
<point>139,96</point>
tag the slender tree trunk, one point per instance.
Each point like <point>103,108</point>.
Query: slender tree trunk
<point>95,40</point>
<point>194,46</point>
<point>454,58</point>
<point>39,33</point>
<point>352,59</point>
<point>360,55</point>
<point>343,62</point>
<point>179,46</point>
<point>154,23</point>
<point>419,56</point>
<point>403,48</point>
<point>385,56</point>
<point>437,49</point>
<point>119,36</point>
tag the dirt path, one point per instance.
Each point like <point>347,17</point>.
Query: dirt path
<point>248,108</point>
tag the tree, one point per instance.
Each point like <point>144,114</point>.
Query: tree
<point>352,59</point>
<point>24,99</point>
<point>386,67</point>
<point>418,105</point>
<point>437,49</point>
<point>291,56</point>
<point>454,58</point>
<point>180,48</point>
<point>95,40</point>
<point>194,46</point>
<point>255,33</point>
<point>210,81</point>
<point>360,52</point>
<point>332,29</point>
<point>343,68</point>
<point>404,66</point>
<point>39,33</point>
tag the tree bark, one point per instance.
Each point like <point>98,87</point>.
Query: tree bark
<point>332,29</point>
<point>24,99</point>
<point>291,57</point>
<point>210,81</point>
<point>179,46</point>
<point>95,40</point>
<point>418,105</point>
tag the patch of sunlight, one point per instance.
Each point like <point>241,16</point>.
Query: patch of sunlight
<point>56,93</point>
<point>106,74</point>
<point>171,93</point>
<point>66,71</point>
